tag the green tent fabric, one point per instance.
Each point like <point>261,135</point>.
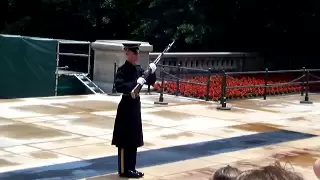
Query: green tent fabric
<point>27,66</point>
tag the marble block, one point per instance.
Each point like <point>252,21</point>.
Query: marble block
<point>109,52</point>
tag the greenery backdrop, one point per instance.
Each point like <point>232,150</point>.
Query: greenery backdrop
<point>271,27</point>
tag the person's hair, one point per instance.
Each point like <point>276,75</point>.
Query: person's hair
<point>226,173</point>
<point>256,174</point>
<point>271,172</point>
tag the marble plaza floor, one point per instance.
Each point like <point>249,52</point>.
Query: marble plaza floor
<point>64,138</point>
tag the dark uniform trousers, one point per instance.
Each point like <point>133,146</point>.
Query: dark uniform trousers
<point>127,159</point>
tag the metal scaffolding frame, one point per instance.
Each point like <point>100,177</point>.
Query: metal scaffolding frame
<point>82,76</point>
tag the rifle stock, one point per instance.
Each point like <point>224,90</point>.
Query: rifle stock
<point>135,92</point>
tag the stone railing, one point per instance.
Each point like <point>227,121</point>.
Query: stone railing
<point>217,61</point>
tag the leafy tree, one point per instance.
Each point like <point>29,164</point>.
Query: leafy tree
<point>280,26</point>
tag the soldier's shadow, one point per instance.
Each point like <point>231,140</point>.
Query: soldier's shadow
<point>108,177</point>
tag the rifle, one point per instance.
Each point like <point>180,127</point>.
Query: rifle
<point>137,89</point>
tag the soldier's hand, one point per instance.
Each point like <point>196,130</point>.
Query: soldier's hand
<point>141,81</point>
<point>153,67</point>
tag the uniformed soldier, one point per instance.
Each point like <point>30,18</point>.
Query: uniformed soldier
<point>127,133</point>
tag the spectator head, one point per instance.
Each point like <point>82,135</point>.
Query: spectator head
<point>271,172</point>
<point>226,173</point>
<point>255,174</point>
<point>316,168</point>
<point>278,172</point>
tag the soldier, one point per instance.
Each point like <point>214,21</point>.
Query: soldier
<point>127,133</point>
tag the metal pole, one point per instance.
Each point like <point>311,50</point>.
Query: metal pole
<point>57,69</point>
<point>304,79</point>
<point>224,83</point>
<point>306,97</point>
<point>178,80</point>
<point>148,91</point>
<point>208,84</point>
<point>265,85</point>
<point>160,102</point>
<point>89,56</point>
<point>114,91</point>
<point>223,93</point>
<point>222,76</point>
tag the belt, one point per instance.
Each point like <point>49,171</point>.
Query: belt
<point>126,94</point>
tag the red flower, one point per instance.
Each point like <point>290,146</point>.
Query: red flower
<point>199,91</point>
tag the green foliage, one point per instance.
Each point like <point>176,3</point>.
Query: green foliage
<point>220,25</point>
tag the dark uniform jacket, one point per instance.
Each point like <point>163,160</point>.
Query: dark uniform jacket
<point>128,126</point>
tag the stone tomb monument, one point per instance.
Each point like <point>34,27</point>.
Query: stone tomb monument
<point>108,52</point>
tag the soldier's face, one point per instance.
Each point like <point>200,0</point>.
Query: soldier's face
<point>133,57</point>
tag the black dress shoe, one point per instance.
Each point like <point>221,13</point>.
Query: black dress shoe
<point>138,172</point>
<point>131,174</point>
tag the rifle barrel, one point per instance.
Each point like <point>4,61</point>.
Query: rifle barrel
<point>165,50</point>
<point>145,75</point>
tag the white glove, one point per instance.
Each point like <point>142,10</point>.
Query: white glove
<point>153,67</point>
<point>141,81</point>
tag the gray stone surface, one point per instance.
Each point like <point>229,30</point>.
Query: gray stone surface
<point>108,52</point>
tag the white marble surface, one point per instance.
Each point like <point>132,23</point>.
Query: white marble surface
<point>43,131</point>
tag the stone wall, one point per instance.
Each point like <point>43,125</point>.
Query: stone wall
<point>109,52</point>
<point>217,61</point>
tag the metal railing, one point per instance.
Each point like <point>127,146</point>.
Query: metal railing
<point>177,79</point>
<point>305,77</point>
<point>303,80</point>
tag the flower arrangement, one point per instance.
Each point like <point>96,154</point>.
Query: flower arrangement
<point>199,91</point>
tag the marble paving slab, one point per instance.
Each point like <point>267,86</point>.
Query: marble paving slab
<point>188,139</point>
